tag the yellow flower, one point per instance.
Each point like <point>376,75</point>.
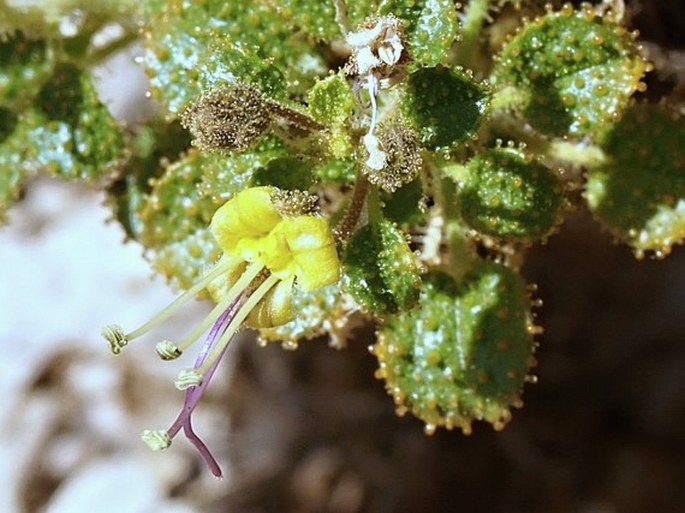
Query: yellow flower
<point>266,254</point>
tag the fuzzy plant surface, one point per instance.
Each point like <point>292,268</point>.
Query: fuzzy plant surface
<point>315,162</point>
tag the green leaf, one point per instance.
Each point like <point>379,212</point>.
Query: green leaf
<point>332,102</point>
<point>12,159</point>
<point>8,122</point>
<point>336,171</point>
<point>444,106</point>
<point>175,218</point>
<point>431,27</point>
<point>509,195</point>
<point>406,206</point>
<point>25,65</point>
<point>639,193</point>
<point>152,145</point>
<point>288,173</point>
<point>74,134</point>
<point>200,45</point>
<point>69,133</point>
<point>316,18</point>
<point>42,18</point>
<point>379,269</point>
<point>577,69</point>
<point>237,170</point>
<point>182,66</point>
<point>318,312</point>
<point>464,353</point>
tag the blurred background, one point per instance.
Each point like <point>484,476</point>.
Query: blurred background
<point>311,430</point>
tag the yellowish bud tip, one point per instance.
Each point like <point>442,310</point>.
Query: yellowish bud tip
<point>188,378</point>
<point>157,440</point>
<point>115,336</point>
<point>167,350</point>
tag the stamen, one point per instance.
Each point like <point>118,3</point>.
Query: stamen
<point>167,350</point>
<point>237,321</point>
<point>114,334</point>
<point>156,440</point>
<point>238,287</point>
<point>188,378</point>
<point>218,270</point>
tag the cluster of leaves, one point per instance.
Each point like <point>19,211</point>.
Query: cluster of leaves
<point>52,118</point>
<point>272,95</point>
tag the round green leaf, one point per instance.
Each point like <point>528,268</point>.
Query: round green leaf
<point>639,193</point>
<point>431,27</point>
<point>509,195</point>
<point>464,353</point>
<point>444,106</point>
<point>379,270</point>
<point>577,69</point>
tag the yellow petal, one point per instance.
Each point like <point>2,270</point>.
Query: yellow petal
<point>248,215</point>
<point>275,309</point>
<point>313,251</point>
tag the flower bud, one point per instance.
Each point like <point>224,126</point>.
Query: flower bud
<point>229,118</point>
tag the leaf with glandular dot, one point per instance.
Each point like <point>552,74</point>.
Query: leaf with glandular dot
<point>68,132</point>
<point>332,103</point>
<point>379,270</point>
<point>25,65</point>
<point>288,173</point>
<point>406,206</point>
<point>195,46</point>
<point>12,152</point>
<point>431,27</point>
<point>317,18</point>
<point>639,192</point>
<point>510,195</point>
<point>336,171</point>
<point>463,354</point>
<point>77,137</point>
<point>219,181</point>
<point>577,70</point>
<point>151,145</point>
<point>443,105</point>
<point>182,66</point>
<point>319,312</point>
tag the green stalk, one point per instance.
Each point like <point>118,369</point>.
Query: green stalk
<point>462,252</point>
<point>373,205</point>
<point>472,25</point>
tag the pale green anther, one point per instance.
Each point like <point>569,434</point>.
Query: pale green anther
<point>157,440</point>
<point>115,336</point>
<point>188,378</point>
<point>167,350</point>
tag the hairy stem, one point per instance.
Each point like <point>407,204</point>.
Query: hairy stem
<point>472,25</point>
<point>354,210</point>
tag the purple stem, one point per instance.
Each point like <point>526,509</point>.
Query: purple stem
<point>194,393</point>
